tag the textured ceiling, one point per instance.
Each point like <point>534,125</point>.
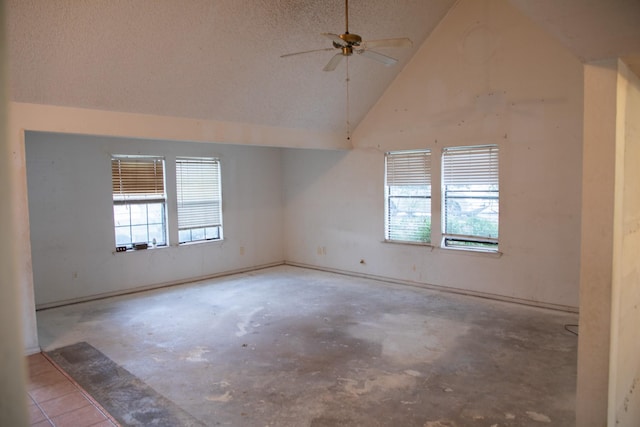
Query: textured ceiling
<point>591,29</point>
<point>220,59</point>
<point>209,59</point>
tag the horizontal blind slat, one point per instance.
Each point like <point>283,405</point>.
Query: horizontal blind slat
<point>137,176</point>
<point>471,165</point>
<point>408,168</point>
<point>198,193</point>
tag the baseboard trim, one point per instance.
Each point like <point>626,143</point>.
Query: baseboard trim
<point>153,287</point>
<point>485,295</point>
<point>32,350</point>
<point>477,294</point>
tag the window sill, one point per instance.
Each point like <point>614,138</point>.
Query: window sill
<point>150,248</point>
<point>461,251</point>
<point>400,242</point>
<point>200,242</point>
<point>473,252</point>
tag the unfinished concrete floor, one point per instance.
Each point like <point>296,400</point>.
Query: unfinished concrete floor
<point>287,346</point>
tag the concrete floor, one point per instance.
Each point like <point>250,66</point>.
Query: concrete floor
<point>287,346</point>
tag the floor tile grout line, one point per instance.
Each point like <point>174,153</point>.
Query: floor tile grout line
<point>51,385</point>
<point>44,413</point>
<point>54,385</point>
<point>46,416</point>
<point>82,390</point>
<point>89,403</point>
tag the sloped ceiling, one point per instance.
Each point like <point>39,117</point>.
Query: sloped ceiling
<point>591,29</point>
<point>209,59</point>
<point>220,59</point>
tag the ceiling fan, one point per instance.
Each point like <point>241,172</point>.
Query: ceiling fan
<point>352,43</point>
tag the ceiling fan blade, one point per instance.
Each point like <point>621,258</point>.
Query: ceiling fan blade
<point>335,38</point>
<point>398,42</point>
<point>307,51</point>
<point>333,62</point>
<point>386,60</point>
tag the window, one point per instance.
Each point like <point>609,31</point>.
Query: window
<point>471,197</point>
<point>138,200</point>
<point>408,196</point>
<point>199,199</point>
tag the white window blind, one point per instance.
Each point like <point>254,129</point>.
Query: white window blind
<point>198,193</point>
<point>470,189</point>
<point>138,200</point>
<point>408,196</point>
<point>137,177</point>
<point>470,165</point>
<point>409,168</point>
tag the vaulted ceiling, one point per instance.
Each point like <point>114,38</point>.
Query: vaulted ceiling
<point>220,59</point>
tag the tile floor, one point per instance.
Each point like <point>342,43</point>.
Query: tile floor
<point>55,400</point>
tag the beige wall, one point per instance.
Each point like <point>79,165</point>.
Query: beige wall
<point>625,363</point>
<point>609,350</point>
<point>598,197</point>
<point>13,393</point>
<point>470,83</point>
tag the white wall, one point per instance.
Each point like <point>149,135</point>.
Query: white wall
<point>486,75</point>
<point>71,216</point>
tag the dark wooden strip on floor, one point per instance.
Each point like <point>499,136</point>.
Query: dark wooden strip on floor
<point>128,399</point>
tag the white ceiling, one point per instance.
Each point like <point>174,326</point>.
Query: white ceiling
<point>209,59</point>
<point>220,59</point>
<point>591,29</point>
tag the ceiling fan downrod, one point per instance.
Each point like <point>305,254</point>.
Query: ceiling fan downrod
<point>346,15</point>
<point>350,39</point>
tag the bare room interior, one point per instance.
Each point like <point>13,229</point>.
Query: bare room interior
<point>418,213</point>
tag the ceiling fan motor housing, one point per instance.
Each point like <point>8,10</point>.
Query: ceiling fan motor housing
<point>351,39</point>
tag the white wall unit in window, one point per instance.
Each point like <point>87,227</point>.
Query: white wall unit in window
<point>470,192</point>
<point>139,200</point>
<point>199,199</point>
<point>408,196</point>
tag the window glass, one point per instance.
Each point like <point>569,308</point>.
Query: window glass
<point>408,196</point>
<point>139,201</point>
<point>470,190</point>
<point>199,198</point>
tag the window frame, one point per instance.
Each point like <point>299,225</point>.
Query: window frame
<point>408,168</point>
<point>476,167</point>
<point>196,218</point>
<point>132,189</point>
